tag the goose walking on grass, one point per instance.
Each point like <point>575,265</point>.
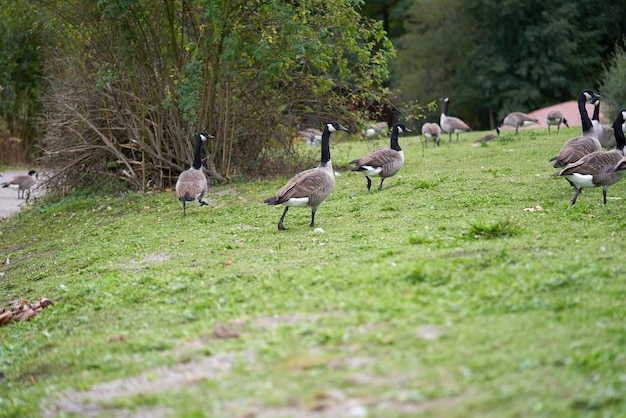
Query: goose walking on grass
<point>310,187</point>
<point>605,134</point>
<point>598,168</point>
<point>555,117</point>
<point>22,183</point>
<point>431,131</point>
<point>577,147</point>
<point>516,120</point>
<point>382,162</point>
<point>192,183</point>
<point>450,124</point>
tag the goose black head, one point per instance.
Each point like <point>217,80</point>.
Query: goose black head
<point>402,128</point>
<point>590,96</point>
<point>204,136</point>
<point>335,126</point>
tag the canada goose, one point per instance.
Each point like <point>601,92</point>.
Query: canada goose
<point>22,183</point>
<point>192,183</point>
<point>382,162</point>
<point>577,147</point>
<point>431,131</point>
<point>310,187</point>
<point>485,138</point>
<point>516,119</point>
<point>598,168</point>
<point>555,117</point>
<point>605,134</point>
<point>450,124</point>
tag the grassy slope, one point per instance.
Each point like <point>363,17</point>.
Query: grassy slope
<point>438,296</point>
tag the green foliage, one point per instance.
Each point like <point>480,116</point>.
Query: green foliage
<point>492,230</point>
<point>494,57</point>
<point>249,72</point>
<point>21,82</point>
<point>614,82</point>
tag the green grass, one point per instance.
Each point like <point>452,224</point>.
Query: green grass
<point>466,287</point>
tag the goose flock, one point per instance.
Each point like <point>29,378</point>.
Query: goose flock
<point>581,159</point>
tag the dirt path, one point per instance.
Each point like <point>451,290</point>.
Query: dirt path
<point>9,203</point>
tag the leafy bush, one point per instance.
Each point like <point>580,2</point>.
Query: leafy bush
<point>132,81</point>
<point>614,82</point>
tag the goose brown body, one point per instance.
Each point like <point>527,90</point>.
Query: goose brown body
<point>192,183</point>
<point>576,148</point>
<point>23,183</point>
<point>598,168</point>
<point>451,124</point>
<point>555,117</point>
<point>382,162</point>
<point>516,120</point>
<point>605,134</point>
<point>311,187</point>
<point>431,131</point>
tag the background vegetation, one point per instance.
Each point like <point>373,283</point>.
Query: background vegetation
<point>111,90</point>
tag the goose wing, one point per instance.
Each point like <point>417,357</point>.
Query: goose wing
<point>593,164</point>
<point>377,158</point>
<point>302,185</point>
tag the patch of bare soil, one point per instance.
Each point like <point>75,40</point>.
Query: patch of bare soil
<point>333,404</point>
<point>100,398</point>
<point>89,403</point>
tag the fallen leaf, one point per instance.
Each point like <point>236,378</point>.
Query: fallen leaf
<point>5,317</point>
<point>222,331</point>
<point>228,262</point>
<point>24,315</point>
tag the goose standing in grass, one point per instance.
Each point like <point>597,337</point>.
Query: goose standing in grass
<point>192,183</point>
<point>516,119</point>
<point>431,131</point>
<point>310,187</point>
<point>577,147</point>
<point>382,162</point>
<point>450,124</point>
<point>22,183</point>
<point>598,168</point>
<point>605,134</point>
<point>555,117</point>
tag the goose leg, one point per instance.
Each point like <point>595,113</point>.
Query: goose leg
<point>313,210</point>
<point>281,227</point>
<point>184,209</point>
<point>381,183</point>
<point>369,183</point>
<point>572,184</point>
<point>604,193</point>
<point>578,191</point>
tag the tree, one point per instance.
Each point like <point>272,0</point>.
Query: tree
<point>133,80</point>
<point>20,71</point>
<point>492,57</point>
<point>613,88</point>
